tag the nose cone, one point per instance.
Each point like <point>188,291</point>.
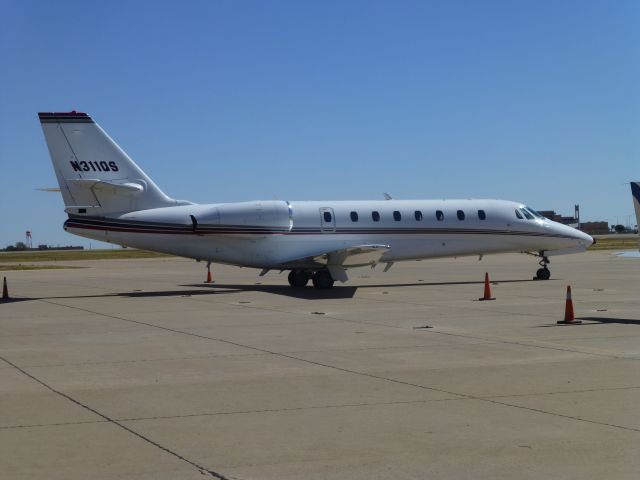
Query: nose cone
<point>582,239</point>
<point>588,239</point>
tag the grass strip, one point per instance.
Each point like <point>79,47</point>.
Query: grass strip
<point>67,255</point>
<point>615,244</point>
<point>19,266</point>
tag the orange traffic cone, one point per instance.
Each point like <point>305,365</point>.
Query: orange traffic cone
<point>487,289</point>
<point>209,279</point>
<point>5,290</point>
<point>569,317</point>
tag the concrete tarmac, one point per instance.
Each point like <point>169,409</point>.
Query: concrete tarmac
<point>137,369</point>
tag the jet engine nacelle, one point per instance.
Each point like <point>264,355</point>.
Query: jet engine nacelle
<point>272,214</point>
<point>260,214</point>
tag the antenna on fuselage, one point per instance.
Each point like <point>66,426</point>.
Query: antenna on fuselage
<point>387,196</point>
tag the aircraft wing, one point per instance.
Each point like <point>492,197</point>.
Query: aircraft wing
<point>338,260</point>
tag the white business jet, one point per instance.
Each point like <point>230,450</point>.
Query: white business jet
<point>109,198</point>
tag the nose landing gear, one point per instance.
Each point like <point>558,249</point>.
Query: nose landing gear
<point>543,273</point>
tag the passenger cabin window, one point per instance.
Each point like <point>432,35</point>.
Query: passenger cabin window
<point>327,217</point>
<point>518,214</point>
<point>482,215</point>
<point>354,216</point>
<point>396,216</point>
<point>418,215</point>
<point>460,214</point>
<point>375,216</point>
<point>439,215</point>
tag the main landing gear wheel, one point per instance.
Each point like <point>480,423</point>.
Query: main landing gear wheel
<point>322,280</point>
<point>543,273</point>
<point>298,278</point>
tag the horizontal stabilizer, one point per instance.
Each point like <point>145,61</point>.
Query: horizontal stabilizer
<point>125,188</point>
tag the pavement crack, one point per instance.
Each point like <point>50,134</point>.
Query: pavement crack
<point>523,344</point>
<point>380,377</point>
<point>560,392</point>
<point>144,360</point>
<point>291,409</point>
<point>58,424</point>
<point>115,422</point>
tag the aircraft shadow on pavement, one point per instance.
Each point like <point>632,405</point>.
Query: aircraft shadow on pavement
<point>435,284</point>
<point>170,293</point>
<point>605,320</point>
<point>598,321</point>
<point>133,294</point>
<point>308,293</point>
<point>338,291</point>
<point>302,293</point>
<point>14,300</point>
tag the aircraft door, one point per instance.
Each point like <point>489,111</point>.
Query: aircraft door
<point>327,220</point>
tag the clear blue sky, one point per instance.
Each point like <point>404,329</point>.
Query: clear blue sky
<point>535,101</point>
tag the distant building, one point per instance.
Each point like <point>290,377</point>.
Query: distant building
<point>595,228</point>
<point>592,228</point>
<point>21,247</point>
<point>552,215</point>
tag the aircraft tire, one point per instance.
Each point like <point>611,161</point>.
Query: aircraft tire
<point>322,280</point>
<point>298,278</point>
<point>543,274</point>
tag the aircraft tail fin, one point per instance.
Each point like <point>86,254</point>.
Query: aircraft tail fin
<point>95,175</point>
<point>635,193</point>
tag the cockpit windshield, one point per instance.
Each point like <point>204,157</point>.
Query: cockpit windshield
<point>534,213</point>
<point>526,213</point>
<point>529,213</point>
